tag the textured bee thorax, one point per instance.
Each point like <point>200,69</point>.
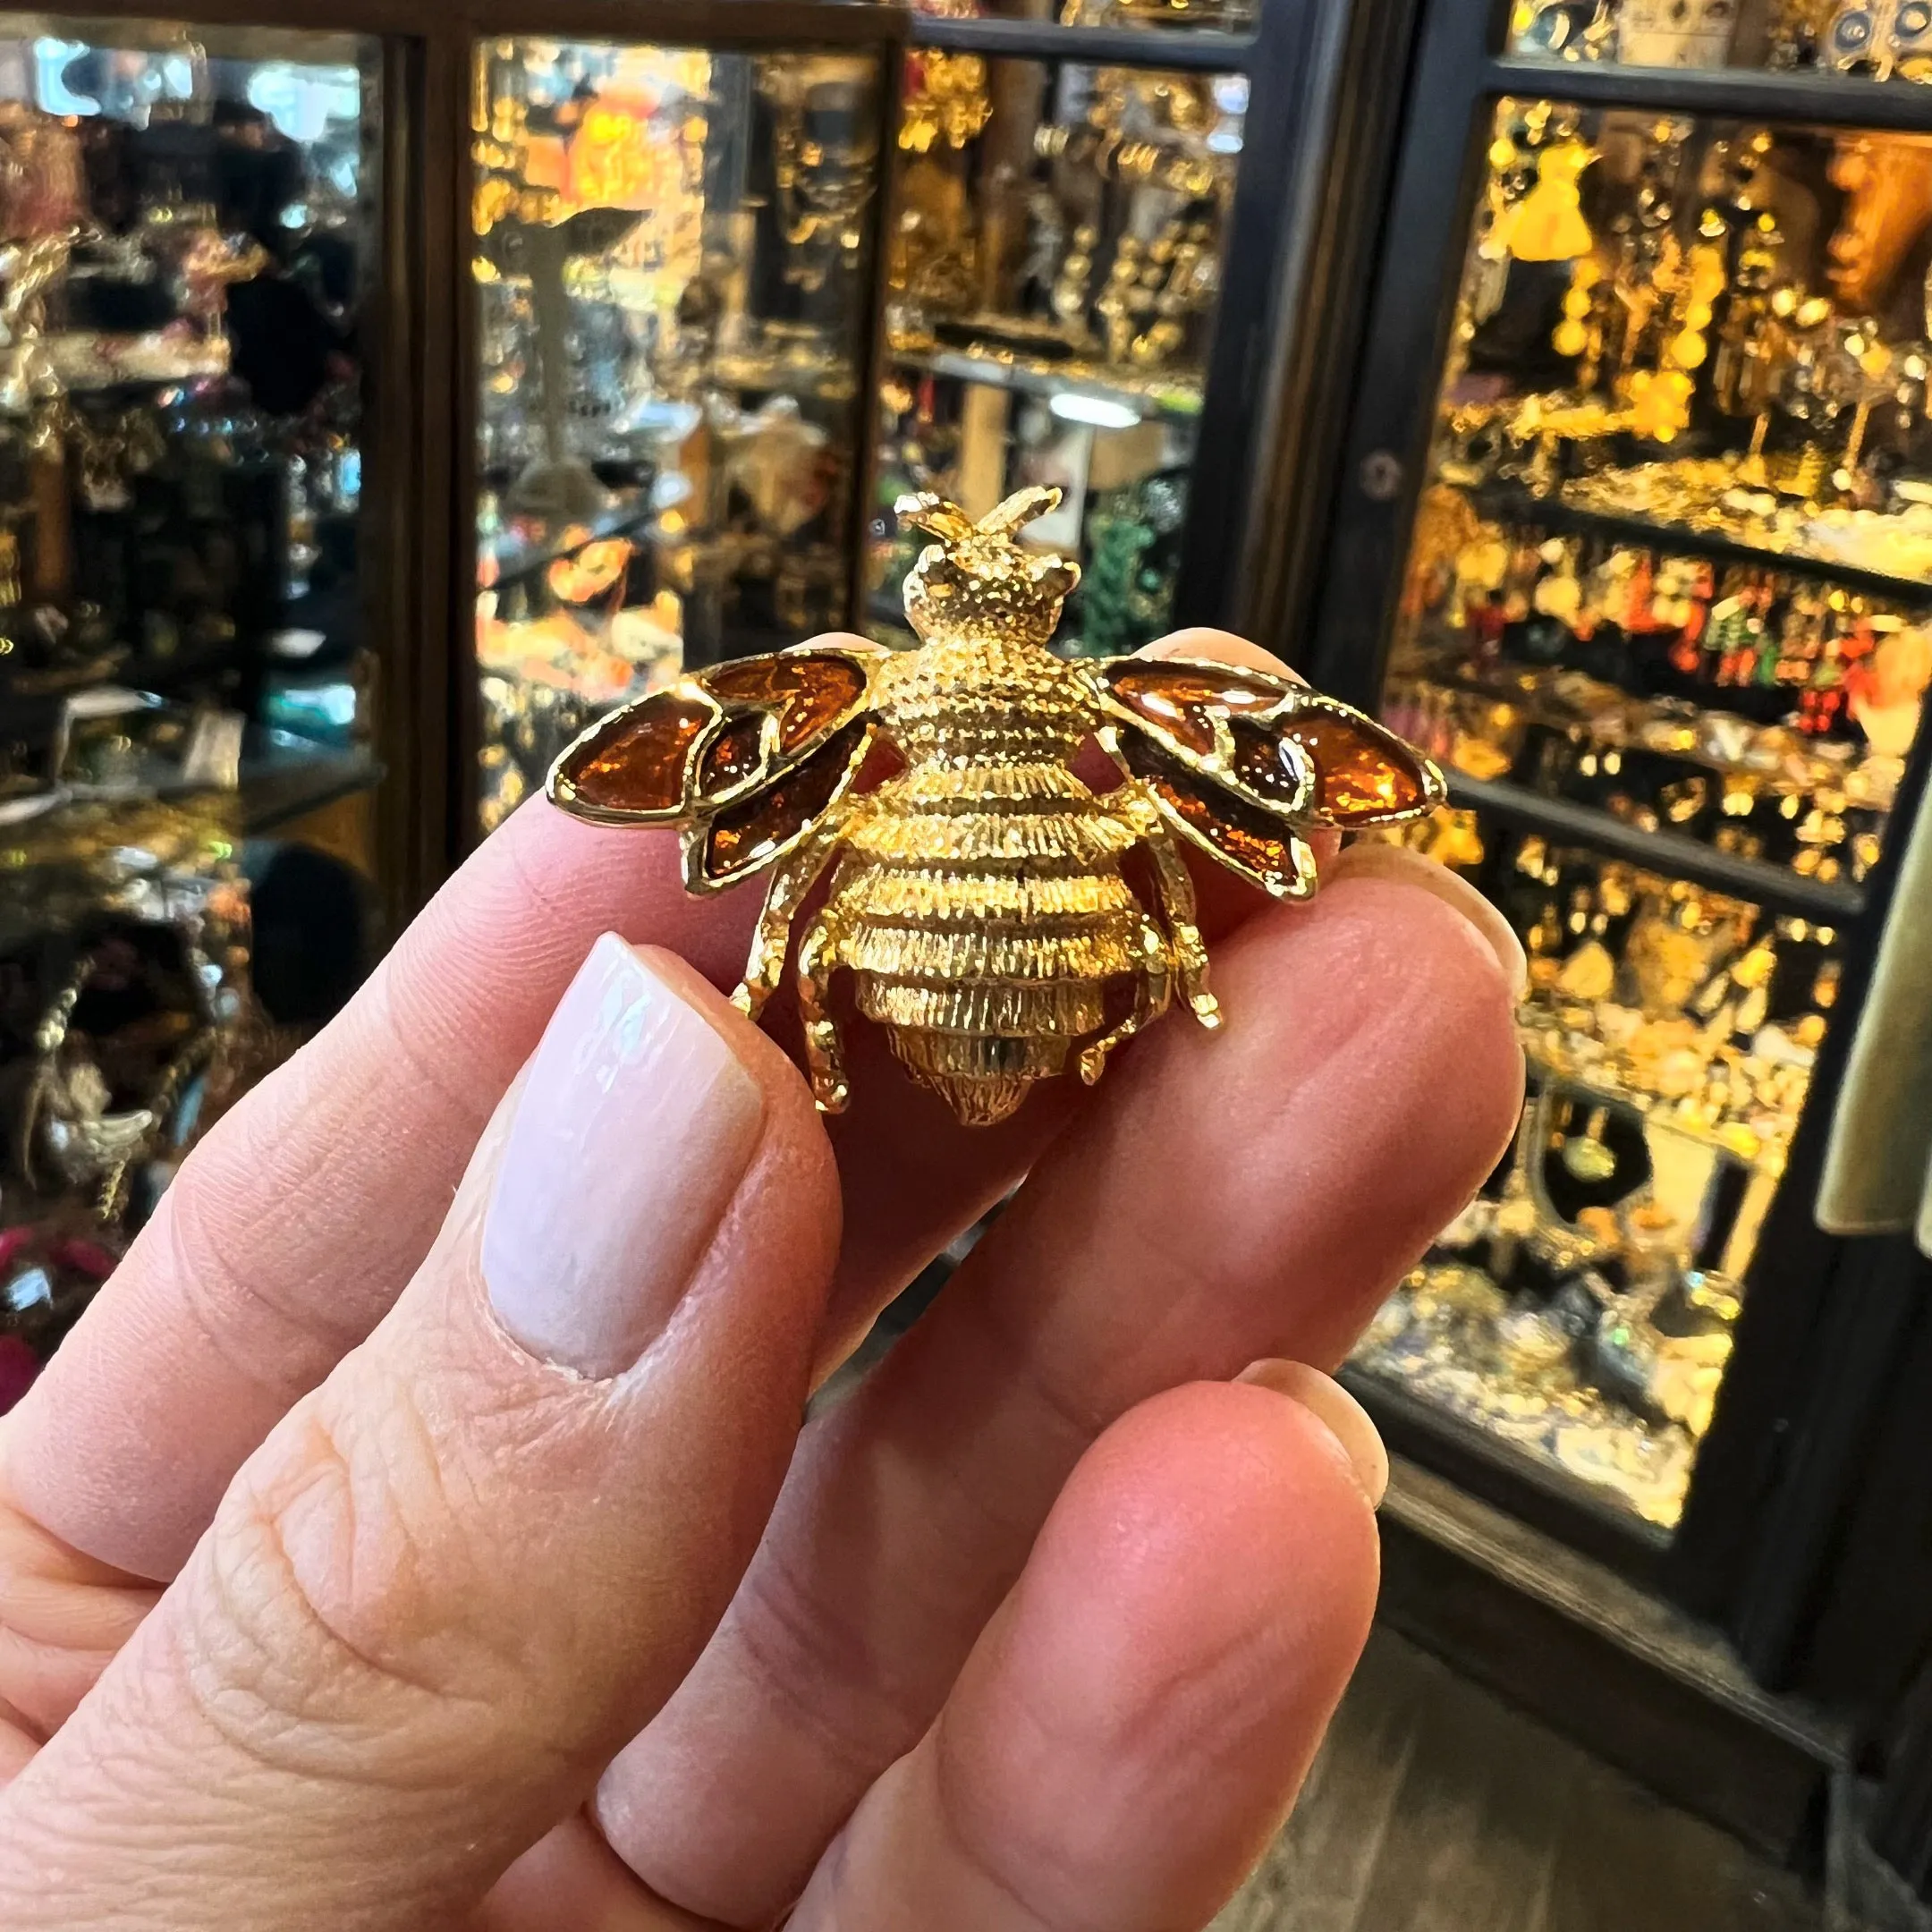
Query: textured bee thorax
<point>985,700</point>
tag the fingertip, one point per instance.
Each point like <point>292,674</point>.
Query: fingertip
<point>1441,979</point>
<point>1187,1621</point>
<point>1357,1440</point>
<point>1208,1479</point>
<point>1203,641</point>
<point>1376,858</point>
<point>1388,954</point>
<point>842,641</point>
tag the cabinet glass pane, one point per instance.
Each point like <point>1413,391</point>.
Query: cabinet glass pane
<point>187,224</point>
<point>673,265</point>
<point>1873,39</point>
<point>1665,623</point>
<point>1054,265</point>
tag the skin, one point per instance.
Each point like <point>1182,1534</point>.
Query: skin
<point>324,1603</point>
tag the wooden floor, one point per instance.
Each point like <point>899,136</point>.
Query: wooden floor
<point>1436,1807</point>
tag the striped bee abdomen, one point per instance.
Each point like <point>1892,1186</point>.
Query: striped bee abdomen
<point>982,908</point>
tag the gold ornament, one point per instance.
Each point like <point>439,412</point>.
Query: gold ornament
<point>978,895</point>
<point>946,104</point>
<point>1548,224</point>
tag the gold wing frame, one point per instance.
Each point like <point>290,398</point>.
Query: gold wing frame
<point>744,758</point>
<point>1242,763</point>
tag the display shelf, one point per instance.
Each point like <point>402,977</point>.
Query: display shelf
<point>1197,52</point>
<point>1745,94</point>
<point>1505,503</point>
<point>1586,1083</point>
<point>755,376</point>
<point>1424,684</point>
<point>1176,403</point>
<point>288,780</point>
<point>277,783</point>
<point>1772,887</point>
<point>1408,1419</point>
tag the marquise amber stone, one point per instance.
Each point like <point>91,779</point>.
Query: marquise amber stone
<point>1364,771</point>
<point>1230,827</point>
<point>1267,762</point>
<point>747,833</point>
<point>732,756</point>
<point>636,762</point>
<point>1181,698</point>
<point>809,692</point>
<point>1228,823</point>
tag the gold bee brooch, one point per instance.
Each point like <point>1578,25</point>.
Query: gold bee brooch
<point>977,895</point>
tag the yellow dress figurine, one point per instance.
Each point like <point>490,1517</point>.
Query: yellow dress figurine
<point>1547,224</point>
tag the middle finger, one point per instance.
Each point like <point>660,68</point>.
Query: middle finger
<point>1227,1197</point>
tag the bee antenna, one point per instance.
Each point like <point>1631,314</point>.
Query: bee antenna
<point>1021,507</point>
<point>926,511</point>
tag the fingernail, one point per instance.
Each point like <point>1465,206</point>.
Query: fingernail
<point>1337,1411</point>
<point>1372,858</point>
<point>636,1122</point>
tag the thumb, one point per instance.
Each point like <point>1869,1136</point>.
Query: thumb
<point>458,1576</point>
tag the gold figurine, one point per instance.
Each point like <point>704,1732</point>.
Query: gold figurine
<point>978,894</point>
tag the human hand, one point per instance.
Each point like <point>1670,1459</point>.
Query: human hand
<point>502,1589</point>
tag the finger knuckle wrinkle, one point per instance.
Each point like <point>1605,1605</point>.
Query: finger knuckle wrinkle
<point>325,1618</point>
<point>282,1349</point>
<point>815,1664</point>
<point>410,1020</point>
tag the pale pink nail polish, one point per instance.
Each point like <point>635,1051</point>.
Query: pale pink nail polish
<point>635,1125</point>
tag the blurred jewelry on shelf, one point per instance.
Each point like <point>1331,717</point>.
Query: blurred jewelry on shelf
<point>945,103</point>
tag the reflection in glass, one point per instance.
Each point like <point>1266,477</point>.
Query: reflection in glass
<point>186,251</point>
<point>1671,571</point>
<point>672,267</point>
<point>1054,265</point>
<point>187,246</point>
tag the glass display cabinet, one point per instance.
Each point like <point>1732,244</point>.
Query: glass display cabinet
<point>385,393</point>
<point>189,221</point>
<point>1062,258</point>
<point>734,297</point>
<point>1668,575</point>
<point>1630,527</point>
<point>673,251</point>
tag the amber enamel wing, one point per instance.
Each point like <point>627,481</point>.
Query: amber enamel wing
<point>986,903</point>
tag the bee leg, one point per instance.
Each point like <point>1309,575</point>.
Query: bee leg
<point>791,884</point>
<point>825,1058</point>
<point>1153,991</point>
<point>1176,887</point>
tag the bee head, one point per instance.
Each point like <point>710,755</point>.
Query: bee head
<point>978,581</point>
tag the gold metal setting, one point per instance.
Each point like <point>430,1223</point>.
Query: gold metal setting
<point>978,894</point>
